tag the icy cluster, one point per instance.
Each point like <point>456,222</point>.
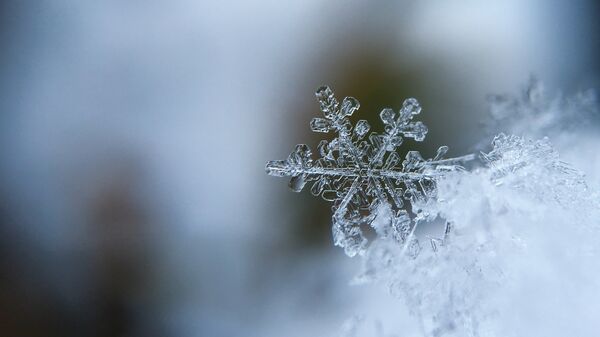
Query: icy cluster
<point>524,224</point>
<point>362,173</point>
<point>517,161</point>
<point>517,254</point>
<point>570,121</point>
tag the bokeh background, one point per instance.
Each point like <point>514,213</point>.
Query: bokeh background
<point>133,137</point>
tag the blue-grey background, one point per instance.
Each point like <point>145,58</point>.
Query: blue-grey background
<point>133,137</point>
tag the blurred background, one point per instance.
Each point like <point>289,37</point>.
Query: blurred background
<point>133,197</point>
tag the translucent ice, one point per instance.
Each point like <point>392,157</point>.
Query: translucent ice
<point>359,173</point>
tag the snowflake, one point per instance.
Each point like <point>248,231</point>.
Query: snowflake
<point>362,173</point>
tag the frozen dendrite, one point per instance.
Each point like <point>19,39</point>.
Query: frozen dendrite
<point>362,173</point>
<point>517,161</point>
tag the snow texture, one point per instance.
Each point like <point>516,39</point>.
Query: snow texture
<point>518,255</point>
<point>536,113</point>
<point>516,222</point>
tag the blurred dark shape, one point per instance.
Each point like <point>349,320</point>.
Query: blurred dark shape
<point>108,270</point>
<point>121,245</point>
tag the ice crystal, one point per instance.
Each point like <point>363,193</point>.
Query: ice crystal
<point>362,173</point>
<point>521,229</point>
<point>570,121</point>
<point>517,161</point>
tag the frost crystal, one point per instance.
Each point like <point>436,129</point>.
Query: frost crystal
<point>517,161</point>
<point>362,173</point>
